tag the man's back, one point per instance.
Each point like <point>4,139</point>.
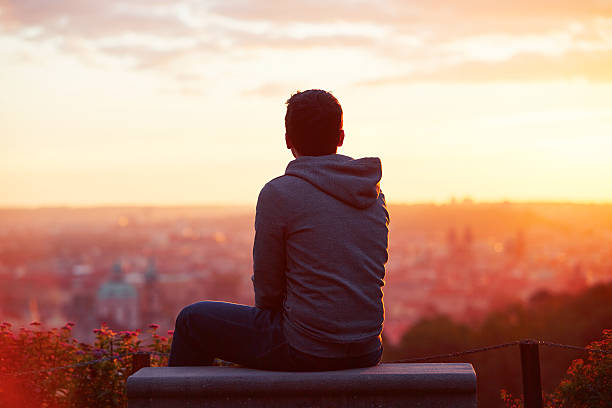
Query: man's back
<point>318,261</point>
<point>320,252</point>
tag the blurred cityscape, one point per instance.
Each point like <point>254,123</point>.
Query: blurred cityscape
<point>130,267</point>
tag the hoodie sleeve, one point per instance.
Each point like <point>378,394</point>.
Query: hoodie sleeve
<point>269,261</point>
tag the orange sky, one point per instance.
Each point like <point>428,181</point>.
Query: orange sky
<point>182,102</point>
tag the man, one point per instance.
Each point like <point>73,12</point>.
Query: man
<point>319,261</point>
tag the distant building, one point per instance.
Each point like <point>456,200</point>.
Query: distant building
<point>117,302</point>
<point>150,300</point>
<point>79,307</point>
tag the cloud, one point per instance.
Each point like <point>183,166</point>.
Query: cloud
<point>402,10</point>
<point>90,18</point>
<point>145,56</point>
<point>435,18</point>
<point>184,91</point>
<point>86,26</point>
<point>188,77</point>
<point>286,12</point>
<point>437,39</point>
<point>271,89</point>
<point>524,67</point>
<point>270,40</point>
<point>469,16</point>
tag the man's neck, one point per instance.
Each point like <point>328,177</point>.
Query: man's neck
<point>297,154</point>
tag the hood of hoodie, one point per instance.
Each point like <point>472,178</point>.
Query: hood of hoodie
<point>352,181</point>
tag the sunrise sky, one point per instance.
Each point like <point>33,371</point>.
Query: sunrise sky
<point>182,102</point>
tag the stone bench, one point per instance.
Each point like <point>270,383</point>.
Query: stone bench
<point>386,385</point>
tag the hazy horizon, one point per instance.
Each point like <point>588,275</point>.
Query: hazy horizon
<point>251,206</point>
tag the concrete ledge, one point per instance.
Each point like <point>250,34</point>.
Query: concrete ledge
<point>386,385</point>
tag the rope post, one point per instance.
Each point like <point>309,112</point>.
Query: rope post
<point>140,360</point>
<point>530,364</point>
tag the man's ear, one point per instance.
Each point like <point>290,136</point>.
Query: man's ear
<point>341,138</point>
<point>288,141</point>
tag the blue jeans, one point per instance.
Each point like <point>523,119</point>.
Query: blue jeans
<point>248,336</point>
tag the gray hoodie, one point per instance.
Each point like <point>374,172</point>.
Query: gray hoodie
<point>320,252</point>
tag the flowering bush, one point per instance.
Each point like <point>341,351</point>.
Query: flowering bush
<point>587,384</point>
<point>79,374</point>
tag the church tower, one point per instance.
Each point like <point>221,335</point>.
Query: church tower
<point>150,303</point>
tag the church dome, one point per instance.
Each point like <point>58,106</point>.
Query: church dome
<point>116,290</point>
<point>116,287</point>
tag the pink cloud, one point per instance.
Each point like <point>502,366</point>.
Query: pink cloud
<point>83,24</point>
<point>85,18</point>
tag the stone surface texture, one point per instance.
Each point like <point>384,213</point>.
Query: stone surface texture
<point>385,385</point>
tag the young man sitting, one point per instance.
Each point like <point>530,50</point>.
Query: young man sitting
<point>321,239</point>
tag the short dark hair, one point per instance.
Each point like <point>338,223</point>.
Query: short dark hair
<point>313,122</point>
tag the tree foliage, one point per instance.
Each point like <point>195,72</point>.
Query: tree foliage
<point>569,319</point>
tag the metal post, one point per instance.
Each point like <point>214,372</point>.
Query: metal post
<point>140,360</point>
<point>532,383</point>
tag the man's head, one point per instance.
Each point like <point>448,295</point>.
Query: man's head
<point>313,123</point>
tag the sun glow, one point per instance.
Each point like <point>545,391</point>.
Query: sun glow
<point>118,103</point>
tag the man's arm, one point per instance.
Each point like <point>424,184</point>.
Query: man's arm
<point>269,263</point>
